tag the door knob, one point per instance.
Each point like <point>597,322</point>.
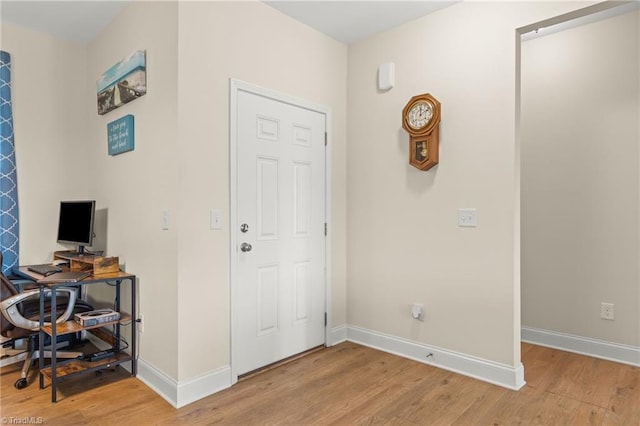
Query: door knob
<point>245,247</point>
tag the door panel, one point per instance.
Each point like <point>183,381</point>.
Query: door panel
<point>301,199</point>
<point>267,299</point>
<point>267,203</point>
<point>281,197</point>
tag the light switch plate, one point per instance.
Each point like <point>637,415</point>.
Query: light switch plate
<point>468,218</point>
<point>165,219</point>
<point>216,219</point>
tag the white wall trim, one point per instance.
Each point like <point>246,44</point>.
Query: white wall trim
<point>488,371</point>
<point>197,388</point>
<point>159,382</point>
<point>179,394</point>
<point>328,242</point>
<point>338,335</point>
<point>617,352</point>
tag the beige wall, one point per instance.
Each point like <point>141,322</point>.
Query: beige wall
<point>136,186</point>
<point>252,42</point>
<point>181,156</point>
<point>404,242</point>
<point>48,100</point>
<point>580,180</point>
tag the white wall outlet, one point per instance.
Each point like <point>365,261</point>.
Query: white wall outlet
<point>467,218</point>
<point>417,311</point>
<point>606,311</point>
<point>141,323</point>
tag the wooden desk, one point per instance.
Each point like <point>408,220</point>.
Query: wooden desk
<point>64,369</point>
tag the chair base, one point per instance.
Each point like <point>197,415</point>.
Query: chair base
<point>12,356</point>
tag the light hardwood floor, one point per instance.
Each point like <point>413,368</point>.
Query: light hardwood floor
<point>350,384</point>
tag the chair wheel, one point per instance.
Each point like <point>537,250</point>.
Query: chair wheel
<point>20,383</point>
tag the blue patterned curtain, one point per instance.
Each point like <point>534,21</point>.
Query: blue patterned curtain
<point>8,181</point>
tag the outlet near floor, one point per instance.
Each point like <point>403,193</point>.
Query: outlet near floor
<point>606,311</point>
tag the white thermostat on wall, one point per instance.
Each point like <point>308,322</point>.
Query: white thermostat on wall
<point>386,76</point>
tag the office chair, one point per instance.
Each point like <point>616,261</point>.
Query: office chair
<point>19,320</point>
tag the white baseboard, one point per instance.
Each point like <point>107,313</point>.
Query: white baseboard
<point>183,393</point>
<point>488,371</point>
<point>338,335</point>
<point>186,392</point>
<point>624,354</point>
<point>179,394</point>
<point>197,388</point>
<point>160,383</point>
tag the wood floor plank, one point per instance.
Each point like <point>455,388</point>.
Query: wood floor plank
<point>624,405</point>
<point>589,415</point>
<point>349,384</point>
<point>542,365</point>
<point>483,409</point>
<point>404,387</point>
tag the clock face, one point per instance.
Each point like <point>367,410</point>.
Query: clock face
<point>419,115</point>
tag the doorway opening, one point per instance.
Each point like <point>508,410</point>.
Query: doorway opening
<point>578,166</point>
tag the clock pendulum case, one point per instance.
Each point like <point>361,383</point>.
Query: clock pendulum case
<point>420,118</point>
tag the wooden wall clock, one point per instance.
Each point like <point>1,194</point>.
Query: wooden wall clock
<point>420,118</point>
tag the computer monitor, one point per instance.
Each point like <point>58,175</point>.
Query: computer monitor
<point>75,225</point>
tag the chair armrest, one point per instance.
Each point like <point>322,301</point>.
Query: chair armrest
<point>10,310</point>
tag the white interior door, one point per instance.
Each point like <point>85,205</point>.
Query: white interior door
<point>280,232</point>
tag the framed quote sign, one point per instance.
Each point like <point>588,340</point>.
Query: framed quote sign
<point>120,135</point>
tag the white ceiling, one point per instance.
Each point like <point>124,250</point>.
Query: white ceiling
<point>351,21</point>
<point>345,21</point>
<point>78,21</point>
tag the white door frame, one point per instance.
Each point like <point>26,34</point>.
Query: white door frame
<point>236,86</point>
